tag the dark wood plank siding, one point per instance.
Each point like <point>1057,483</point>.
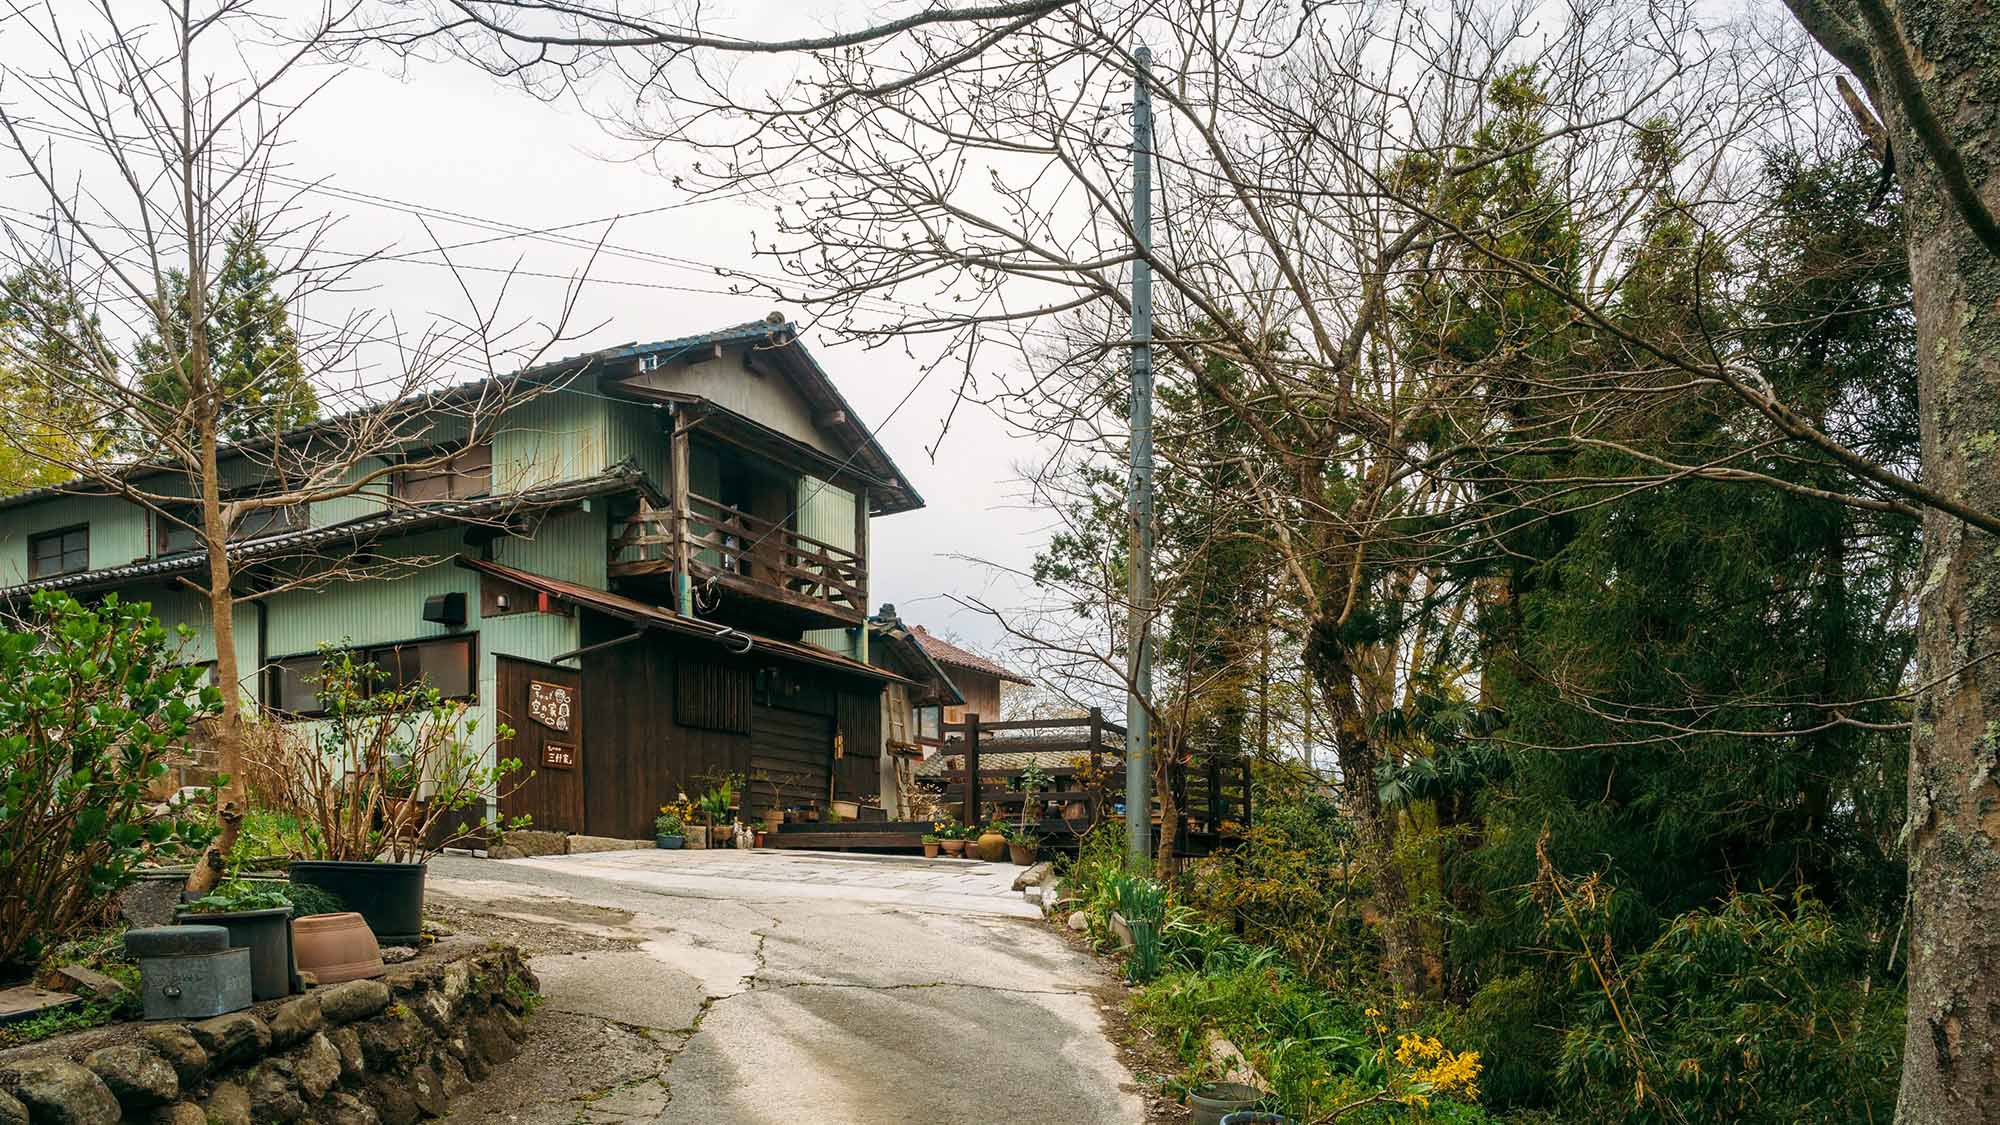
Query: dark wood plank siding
<point>639,696</point>
<point>553,799</point>
<point>791,752</point>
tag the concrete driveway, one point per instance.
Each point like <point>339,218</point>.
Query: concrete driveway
<point>726,986</point>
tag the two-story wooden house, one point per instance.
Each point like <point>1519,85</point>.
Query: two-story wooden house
<point>652,567</point>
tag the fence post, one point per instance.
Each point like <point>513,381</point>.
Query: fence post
<point>1216,808</point>
<point>970,815</point>
<point>1096,758</point>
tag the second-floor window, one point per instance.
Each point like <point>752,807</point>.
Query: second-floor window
<point>461,476</point>
<point>445,663</point>
<point>180,528</point>
<point>59,552</point>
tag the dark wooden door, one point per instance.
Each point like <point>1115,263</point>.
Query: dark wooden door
<point>543,704</point>
<point>792,750</point>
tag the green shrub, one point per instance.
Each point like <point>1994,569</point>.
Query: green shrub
<point>92,703</point>
<point>1761,1009</point>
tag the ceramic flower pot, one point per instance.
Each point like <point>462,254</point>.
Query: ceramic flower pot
<point>337,947</point>
<point>992,847</point>
<point>930,849</point>
<point>1023,855</point>
<point>669,843</point>
<point>951,847</point>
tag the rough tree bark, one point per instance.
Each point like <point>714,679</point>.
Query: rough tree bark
<point>1932,70</point>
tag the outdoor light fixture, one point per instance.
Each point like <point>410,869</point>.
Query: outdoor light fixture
<point>447,610</point>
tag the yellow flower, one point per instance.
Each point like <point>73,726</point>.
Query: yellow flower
<point>1371,1013</point>
<point>1402,1005</point>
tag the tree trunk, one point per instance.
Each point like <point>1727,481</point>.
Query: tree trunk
<point>1951,1062</point>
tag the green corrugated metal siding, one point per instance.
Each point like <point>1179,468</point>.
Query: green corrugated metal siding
<point>704,478</point>
<point>561,435</point>
<point>639,433</point>
<point>117,531</point>
<point>826,513</point>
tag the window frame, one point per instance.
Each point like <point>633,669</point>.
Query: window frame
<point>448,471</point>
<point>274,668</point>
<point>936,737</point>
<point>58,534</point>
<point>293,517</point>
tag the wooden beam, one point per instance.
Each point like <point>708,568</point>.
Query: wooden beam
<point>971,802</point>
<point>683,579</point>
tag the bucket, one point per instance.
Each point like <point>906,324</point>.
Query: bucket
<point>267,935</point>
<point>1214,1101</point>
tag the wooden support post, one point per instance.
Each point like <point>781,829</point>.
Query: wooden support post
<point>1096,742</point>
<point>861,565</point>
<point>1215,805</point>
<point>970,817</point>
<point>1246,796</point>
<point>683,578</point>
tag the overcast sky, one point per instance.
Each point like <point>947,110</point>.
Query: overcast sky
<point>449,138</point>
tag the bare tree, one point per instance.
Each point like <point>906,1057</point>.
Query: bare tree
<point>150,146</point>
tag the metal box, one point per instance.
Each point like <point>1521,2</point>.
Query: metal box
<point>195,986</point>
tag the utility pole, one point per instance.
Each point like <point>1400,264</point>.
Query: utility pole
<point>1139,500</point>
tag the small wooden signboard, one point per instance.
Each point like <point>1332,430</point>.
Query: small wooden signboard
<point>549,704</point>
<point>557,756</point>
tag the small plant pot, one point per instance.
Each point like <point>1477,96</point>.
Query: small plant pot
<point>1023,855</point>
<point>992,847</point>
<point>669,843</point>
<point>266,934</point>
<point>951,848</point>
<point>337,947</point>
<point>1213,1101</point>
<point>761,835</point>
<point>773,821</point>
<point>931,849</point>
<point>389,896</point>
<point>721,836</point>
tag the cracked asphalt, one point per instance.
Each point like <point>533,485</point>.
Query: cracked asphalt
<point>787,987</point>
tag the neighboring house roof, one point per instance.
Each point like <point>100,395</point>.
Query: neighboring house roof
<point>899,641</point>
<point>935,766</point>
<point>647,616</point>
<point>780,336</point>
<point>624,477</point>
<point>944,652</point>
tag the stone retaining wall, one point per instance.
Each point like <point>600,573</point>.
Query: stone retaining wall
<point>368,1052</point>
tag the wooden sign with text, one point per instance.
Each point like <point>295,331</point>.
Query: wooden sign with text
<point>550,704</point>
<point>557,756</point>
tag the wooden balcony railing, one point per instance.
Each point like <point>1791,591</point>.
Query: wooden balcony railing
<point>748,554</point>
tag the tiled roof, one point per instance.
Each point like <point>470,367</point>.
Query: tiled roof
<point>768,328</point>
<point>944,652</point>
<point>619,478</point>
<point>936,766</point>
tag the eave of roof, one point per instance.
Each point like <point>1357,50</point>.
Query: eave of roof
<point>619,478</point>
<point>900,640</point>
<point>647,616</point>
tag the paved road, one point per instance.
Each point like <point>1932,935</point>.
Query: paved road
<point>722,987</point>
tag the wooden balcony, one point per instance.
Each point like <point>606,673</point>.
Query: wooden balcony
<point>729,552</point>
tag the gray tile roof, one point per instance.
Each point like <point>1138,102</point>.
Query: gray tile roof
<point>619,478</point>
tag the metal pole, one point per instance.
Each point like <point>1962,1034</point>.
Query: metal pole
<point>1139,660</point>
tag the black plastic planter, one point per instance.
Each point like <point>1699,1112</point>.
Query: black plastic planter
<point>388,896</point>
<point>267,934</point>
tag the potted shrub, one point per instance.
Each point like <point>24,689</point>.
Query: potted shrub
<point>992,841</point>
<point>1023,845</point>
<point>383,780</point>
<point>930,845</point>
<point>951,836</point>
<point>668,831</point>
<point>258,919</point>
<point>718,808</point>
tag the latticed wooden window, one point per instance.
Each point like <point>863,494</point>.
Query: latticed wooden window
<point>712,696</point>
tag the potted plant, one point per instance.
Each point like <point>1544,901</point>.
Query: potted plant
<point>668,831</point>
<point>992,842</point>
<point>930,845</point>
<point>383,780</point>
<point>258,919</point>
<point>717,808</point>
<point>951,836</point>
<point>1023,844</point>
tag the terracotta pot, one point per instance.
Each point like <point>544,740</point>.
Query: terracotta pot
<point>773,821</point>
<point>761,837</point>
<point>1023,855</point>
<point>336,947</point>
<point>1075,810</point>
<point>952,847</point>
<point>930,849</point>
<point>992,847</point>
